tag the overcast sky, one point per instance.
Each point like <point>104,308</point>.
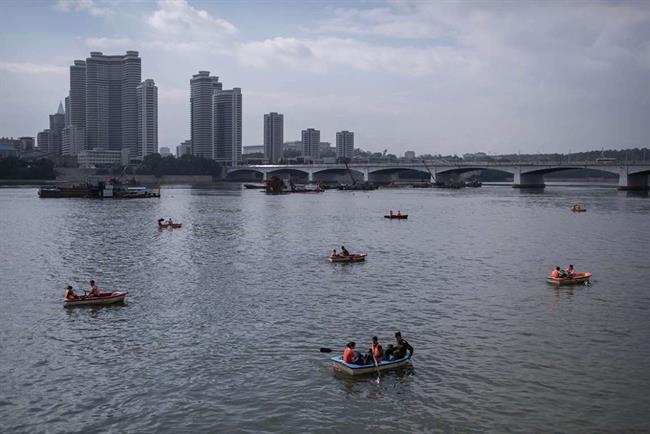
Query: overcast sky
<point>433,77</point>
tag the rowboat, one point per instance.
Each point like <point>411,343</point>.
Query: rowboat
<point>395,216</point>
<point>167,226</point>
<point>352,257</point>
<point>352,369</point>
<point>577,278</point>
<point>107,298</point>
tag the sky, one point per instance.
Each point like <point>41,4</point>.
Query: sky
<point>433,77</point>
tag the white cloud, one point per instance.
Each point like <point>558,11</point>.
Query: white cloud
<point>107,43</point>
<point>32,68</point>
<point>177,17</point>
<point>324,53</point>
<point>87,6</point>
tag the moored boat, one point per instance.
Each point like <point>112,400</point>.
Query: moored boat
<point>352,257</point>
<point>352,369</point>
<point>395,216</point>
<point>577,278</point>
<point>107,298</point>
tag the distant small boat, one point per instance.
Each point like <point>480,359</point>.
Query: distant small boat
<point>395,216</point>
<point>169,225</point>
<point>352,257</point>
<point>255,186</point>
<point>577,208</point>
<point>384,365</point>
<point>107,298</point>
<point>577,278</point>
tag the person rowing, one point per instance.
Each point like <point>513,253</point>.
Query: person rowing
<point>375,350</point>
<point>69,294</point>
<point>401,347</point>
<point>344,251</point>
<point>558,273</point>
<point>94,291</point>
<point>160,223</point>
<point>570,271</point>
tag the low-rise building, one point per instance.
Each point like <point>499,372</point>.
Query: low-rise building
<point>165,151</point>
<point>7,151</point>
<point>185,148</point>
<point>409,155</point>
<point>102,158</point>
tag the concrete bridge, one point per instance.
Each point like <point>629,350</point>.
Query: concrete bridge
<point>632,176</point>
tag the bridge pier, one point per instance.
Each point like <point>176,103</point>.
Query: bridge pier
<point>635,181</point>
<point>528,180</point>
<point>310,176</point>
<point>265,176</point>
<point>366,176</point>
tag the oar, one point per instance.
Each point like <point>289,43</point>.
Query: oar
<point>325,350</point>
<point>376,367</point>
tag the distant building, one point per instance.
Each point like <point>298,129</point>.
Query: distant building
<point>21,144</point>
<point>345,144</point>
<point>43,140</point>
<point>77,98</point>
<point>103,157</point>
<point>7,151</point>
<point>311,144</point>
<point>409,155</point>
<point>74,140</point>
<point>165,151</point>
<point>147,97</point>
<point>292,146</point>
<point>227,126</point>
<point>185,148</point>
<point>325,147</point>
<point>111,101</point>
<point>273,136</point>
<point>253,149</point>
<point>26,144</point>
<point>202,89</point>
<point>57,123</point>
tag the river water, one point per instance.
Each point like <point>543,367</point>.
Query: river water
<point>225,317</point>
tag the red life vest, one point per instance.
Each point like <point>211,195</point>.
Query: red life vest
<point>347,355</point>
<point>555,274</point>
<point>377,352</point>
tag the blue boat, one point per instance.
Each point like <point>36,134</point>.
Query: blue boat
<point>353,369</point>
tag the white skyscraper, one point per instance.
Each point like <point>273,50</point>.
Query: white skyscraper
<point>311,144</point>
<point>227,126</point>
<point>344,144</point>
<point>273,136</point>
<point>147,97</point>
<point>202,89</point>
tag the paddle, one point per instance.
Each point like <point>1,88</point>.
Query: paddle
<point>376,367</point>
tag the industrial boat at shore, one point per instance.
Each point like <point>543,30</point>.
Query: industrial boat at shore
<point>100,190</point>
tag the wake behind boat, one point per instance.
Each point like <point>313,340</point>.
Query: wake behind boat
<point>103,299</point>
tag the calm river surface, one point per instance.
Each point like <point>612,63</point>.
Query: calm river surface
<point>224,319</point>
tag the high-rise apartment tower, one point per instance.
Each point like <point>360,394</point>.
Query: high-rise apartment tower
<point>227,126</point>
<point>202,89</point>
<point>147,95</point>
<point>273,136</point>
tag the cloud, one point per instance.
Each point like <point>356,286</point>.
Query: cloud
<point>177,17</point>
<point>321,54</point>
<point>87,6</point>
<point>32,68</point>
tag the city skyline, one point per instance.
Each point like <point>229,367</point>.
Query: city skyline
<point>433,78</point>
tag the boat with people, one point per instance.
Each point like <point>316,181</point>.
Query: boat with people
<point>576,207</point>
<point>570,280</point>
<point>396,216</point>
<point>99,300</point>
<point>169,224</point>
<point>352,257</point>
<point>354,369</point>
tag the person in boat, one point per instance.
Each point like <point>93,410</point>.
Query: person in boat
<point>69,294</point>
<point>401,347</point>
<point>333,254</point>
<point>376,351</point>
<point>352,356</point>
<point>344,251</point>
<point>160,223</point>
<point>570,271</point>
<point>390,212</point>
<point>388,354</point>
<point>94,291</point>
<point>169,221</point>
<point>558,273</point>
<point>399,213</point>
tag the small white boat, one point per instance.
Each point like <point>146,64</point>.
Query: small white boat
<point>107,298</point>
<point>384,365</point>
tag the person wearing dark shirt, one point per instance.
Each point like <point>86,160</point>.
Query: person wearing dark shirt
<point>344,251</point>
<point>401,347</point>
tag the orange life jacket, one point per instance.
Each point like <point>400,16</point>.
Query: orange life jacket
<point>347,355</point>
<point>555,274</point>
<point>377,352</point>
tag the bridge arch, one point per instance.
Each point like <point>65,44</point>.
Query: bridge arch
<point>337,174</point>
<point>240,174</point>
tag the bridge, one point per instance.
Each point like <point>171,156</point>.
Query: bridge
<point>631,176</point>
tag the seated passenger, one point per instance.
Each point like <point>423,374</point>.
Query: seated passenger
<point>94,291</point>
<point>388,354</point>
<point>349,355</point>
<point>376,351</point>
<point>69,294</point>
<point>390,213</point>
<point>344,251</point>
<point>160,223</point>
<point>570,271</point>
<point>333,254</point>
<point>399,213</point>
<point>555,274</point>
<point>402,347</point>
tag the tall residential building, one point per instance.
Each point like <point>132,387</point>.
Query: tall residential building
<point>43,140</point>
<point>111,101</point>
<point>311,144</point>
<point>273,136</point>
<point>147,93</point>
<point>77,98</point>
<point>74,140</point>
<point>227,126</point>
<point>185,148</point>
<point>344,144</point>
<point>202,89</point>
<point>57,123</point>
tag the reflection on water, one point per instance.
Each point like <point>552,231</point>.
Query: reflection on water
<point>224,318</point>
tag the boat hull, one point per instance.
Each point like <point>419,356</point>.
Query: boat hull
<point>578,278</point>
<point>354,257</point>
<point>398,217</point>
<point>112,298</point>
<point>354,370</point>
